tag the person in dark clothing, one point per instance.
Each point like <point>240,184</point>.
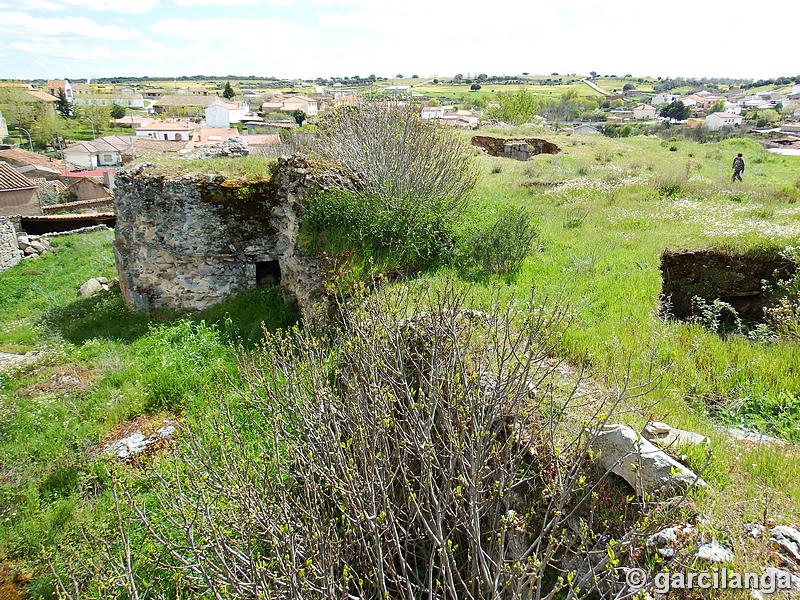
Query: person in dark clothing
<point>738,168</point>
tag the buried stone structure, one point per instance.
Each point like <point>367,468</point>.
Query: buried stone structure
<point>516,148</point>
<point>190,241</point>
<point>748,282</point>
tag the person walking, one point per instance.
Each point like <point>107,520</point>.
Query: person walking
<point>738,168</point>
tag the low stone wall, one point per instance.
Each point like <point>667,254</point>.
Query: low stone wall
<point>9,249</point>
<point>189,242</point>
<point>516,148</point>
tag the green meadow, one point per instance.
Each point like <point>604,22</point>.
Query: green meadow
<point>604,209</point>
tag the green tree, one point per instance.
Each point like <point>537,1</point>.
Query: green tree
<point>718,106</point>
<point>228,91</point>
<point>97,116</point>
<point>63,105</point>
<point>117,111</point>
<point>628,86</point>
<point>475,87</point>
<point>482,77</point>
<point>299,116</point>
<point>676,110</point>
<point>458,78</point>
<point>517,107</point>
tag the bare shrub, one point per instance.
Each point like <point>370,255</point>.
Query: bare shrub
<point>434,455</point>
<point>387,151</point>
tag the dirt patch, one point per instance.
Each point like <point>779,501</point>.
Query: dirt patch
<point>517,148</point>
<point>745,281</point>
<point>65,382</point>
<point>13,583</point>
<point>540,184</point>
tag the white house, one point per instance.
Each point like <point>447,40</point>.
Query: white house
<point>644,111</point>
<point>585,130</point>
<point>223,114</point>
<point>162,130</point>
<point>433,112</point>
<point>101,152</point>
<point>3,127</point>
<point>665,98</point>
<point>398,90</point>
<point>54,85</point>
<point>718,120</point>
<point>733,108</point>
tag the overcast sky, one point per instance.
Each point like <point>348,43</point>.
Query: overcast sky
<point>311,38</point>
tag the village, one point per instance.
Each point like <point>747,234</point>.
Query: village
<point>57,176</point>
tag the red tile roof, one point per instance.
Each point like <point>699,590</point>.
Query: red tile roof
<point>12,180</point>
<point>19,157</point>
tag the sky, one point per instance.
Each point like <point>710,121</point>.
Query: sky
<point>324,38</point>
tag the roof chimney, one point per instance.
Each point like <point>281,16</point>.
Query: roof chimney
<point>108,180</point>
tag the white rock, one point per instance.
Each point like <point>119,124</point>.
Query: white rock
<point>136,442</point>
<point>788,538</point>
<point>89,288</point>
<point>657,428</point>
<point>671,437</point>
<point>714,553</point>
<point>663,538</point>
<point>38,247</point>
<point>647,469</point>
<point>103,280</point>
<point>132,444</point>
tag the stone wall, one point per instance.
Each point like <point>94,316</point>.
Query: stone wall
<point>190,241</point>
<point>516,148</point>
<point>745,281</point>
<point>9,249</point>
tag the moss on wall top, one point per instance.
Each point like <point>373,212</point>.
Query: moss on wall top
<point>241,168</point>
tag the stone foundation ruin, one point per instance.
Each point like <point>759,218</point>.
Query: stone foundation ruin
<point>10,254</point>
<point>517,148</point>
<point>745,281</point>
<point>190,241</point>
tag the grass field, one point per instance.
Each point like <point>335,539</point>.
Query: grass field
<point>605,209</point>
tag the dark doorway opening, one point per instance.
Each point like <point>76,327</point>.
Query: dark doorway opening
<point>268,272</point>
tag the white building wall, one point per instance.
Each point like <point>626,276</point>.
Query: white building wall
<point>163,135</point>
<point>80,159</point>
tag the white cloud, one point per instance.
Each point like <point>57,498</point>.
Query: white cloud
<point>122,6</point>
<point>267,34</point>
<point>345,37</point>
<point>193,3</point>
<point>19,26</point>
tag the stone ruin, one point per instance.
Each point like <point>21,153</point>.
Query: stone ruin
<point>516,148</point>
<point>10,253</point>
<point>746,281</point>
<point>190,241</point>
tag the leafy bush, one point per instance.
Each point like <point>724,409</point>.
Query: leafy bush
<point>501,245</point>
<point>338,222</point>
